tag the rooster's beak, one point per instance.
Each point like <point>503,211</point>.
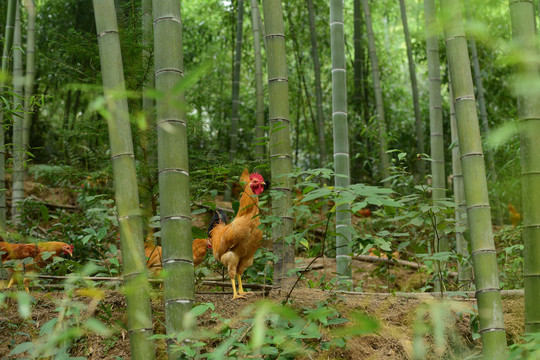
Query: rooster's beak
<point>263,183</point>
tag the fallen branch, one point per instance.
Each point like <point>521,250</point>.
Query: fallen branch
<point>228,284</point>
<point>51,205</point>
<point>470,295</point>
<point>394,261</point>
<point>117,279</point>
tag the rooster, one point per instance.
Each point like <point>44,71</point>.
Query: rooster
<point>515,216</point>
<point>234,245</point>
<point>42,253</point>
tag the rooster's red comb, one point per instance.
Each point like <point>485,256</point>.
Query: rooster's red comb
<point>256,176</point>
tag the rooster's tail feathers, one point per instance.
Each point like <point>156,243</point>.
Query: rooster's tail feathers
<point>220,217</point>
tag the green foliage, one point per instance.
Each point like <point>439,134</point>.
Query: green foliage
<point>57,335</point>
<point>528,350</point>
<point>510,257</point>
<point>434,330</point>
<point>269,330</point>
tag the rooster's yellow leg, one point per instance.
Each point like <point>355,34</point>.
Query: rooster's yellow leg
<point>240,288</point>
<point>11,281</point>
<point>235,295</point>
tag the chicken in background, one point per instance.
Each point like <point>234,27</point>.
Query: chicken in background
<point>42,254</point>
<point>515,216</point>
<point>153,255</point>
<point>235,244</point>
<point>364,213</point>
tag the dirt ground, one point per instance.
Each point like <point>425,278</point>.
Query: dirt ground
<point>394,340</point>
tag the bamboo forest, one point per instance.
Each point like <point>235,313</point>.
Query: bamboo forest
<point>301,179</point>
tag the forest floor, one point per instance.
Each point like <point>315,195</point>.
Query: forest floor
<point>396,314</point>
<point>394,339</point>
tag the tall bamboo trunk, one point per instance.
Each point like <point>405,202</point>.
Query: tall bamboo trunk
<point>435,123</point>
<point>474,178</point>
<point>485,127</point>
<point>359,98</point>
<point>8,42</point>
<point>462,246</point>
<point>30,74</point>
<point>384,163</point>
<point>139,312</point>
<point>420,168</point>
<point>341,135</point>
<point>360,95</point>
<point>148,141</point>
<point>233,133</point>
<point>175,211</point>
<point>524,34</point>
<point>318,88</point>
<point>280,140</point>
<point>259,90</point>
<point>17,194</point>
<point>236,80</point>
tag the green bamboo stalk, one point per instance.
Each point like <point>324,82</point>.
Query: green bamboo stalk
<point>139,312</point>
<point>462,246</point>
<point>414,85</point>
<point>259,90</point>
<point>318,88</point>
<point>261,27</point>
<point>236,81</point>
<point>233,133</point>
<point>280,140</point>
<point>30,75</point>
<point>175,211</point>
<point>435,124</point>
<point>485,126</point>
<point>148,140</point>
<point>359,96</point>
<point>474,178</point>
<point>18,82</point>
<point>341,135</point>
<point>8,42</point>
<point>523,30</point>
<point>381,121</point>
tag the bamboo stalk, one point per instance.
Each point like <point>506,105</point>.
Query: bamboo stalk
<point>236,82</point>
<point>318,88</point>
<point>384,163</point>
<point>485,127</point>
<point>462,245</point>
<point>139,312</point>
<point>341,135</point>
<point>436,126</point>
<point>8,42</point>
<point>483,250</point>
<point>30,75</point>
<point>419,126</point>
<point>280,140</point>
<point>173,168</point>
<point>18,82</point>
<point>148,138</point>
<point>524,34</point>
<point>260,149</point>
